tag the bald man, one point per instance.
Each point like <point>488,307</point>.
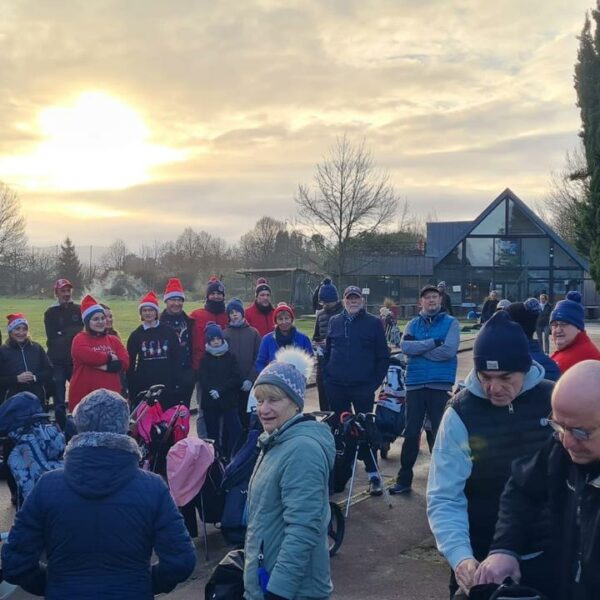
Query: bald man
<point>565,475</point>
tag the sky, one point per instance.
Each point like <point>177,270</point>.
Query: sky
<point>137,119</point>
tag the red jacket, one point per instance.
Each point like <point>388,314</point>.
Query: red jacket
<point>201,317</point>
<point>262,322</point>
<point>90,352</point>
<point>582,348</point>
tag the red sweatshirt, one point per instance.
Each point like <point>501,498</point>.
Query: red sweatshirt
<point>90,352</point>
<point>582,348</point>
<point>262,322</point>
<point>201,317</point>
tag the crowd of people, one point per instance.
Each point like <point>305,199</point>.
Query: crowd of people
<point>513,482</point>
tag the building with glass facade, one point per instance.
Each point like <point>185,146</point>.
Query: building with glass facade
<point>507,248</point>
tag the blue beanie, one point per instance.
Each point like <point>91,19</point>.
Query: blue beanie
<point>214,285</point>
<point>235,304</point>
<point>212,330</point>
<point>328,292</point>
<point>288,372</point>
<point>570,310</point>
<point>501,346</point>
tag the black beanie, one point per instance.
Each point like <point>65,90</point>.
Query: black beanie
<point>501,346</point>
<point>525,314</point>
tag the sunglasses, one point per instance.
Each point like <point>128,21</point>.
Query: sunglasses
<point>577,432</point>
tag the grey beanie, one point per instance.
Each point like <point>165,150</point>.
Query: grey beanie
<point>102,411</point>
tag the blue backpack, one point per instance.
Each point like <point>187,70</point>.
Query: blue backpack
<point>235,486</point>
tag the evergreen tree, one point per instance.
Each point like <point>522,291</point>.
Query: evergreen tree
<point>587,85</point>
<point>68,264</point>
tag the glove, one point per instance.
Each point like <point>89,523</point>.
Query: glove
<point>214,394</point>
<point>408,338</point>
<point>438,343</point>
<point>114,366</point>
<point>246,385</point>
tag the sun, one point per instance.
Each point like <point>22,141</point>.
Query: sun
<point>96,142</point>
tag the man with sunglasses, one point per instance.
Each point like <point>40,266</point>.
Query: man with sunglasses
<point>565,475</point>
<point>497,418</point>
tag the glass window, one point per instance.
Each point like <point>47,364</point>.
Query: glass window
<point>535,252</point>
<point>494,223</point>
<point>562,259</point>
<point>454,258</point>
<point>507,253</point>
<point>477,285</point>
<point>519,222</point>
<point>480,252</point>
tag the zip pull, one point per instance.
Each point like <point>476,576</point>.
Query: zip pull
<point>511,410</point>
<point>578,574</point>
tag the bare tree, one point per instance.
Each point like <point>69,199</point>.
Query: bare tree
<point>114,258</point>
<point>568,189</point>
<point>257,247</point>
<point>12,224</point>
<point>350,196</point>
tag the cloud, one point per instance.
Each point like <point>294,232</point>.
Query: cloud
<point>458,100</point>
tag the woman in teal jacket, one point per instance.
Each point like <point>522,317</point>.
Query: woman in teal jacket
<point>286,548</point>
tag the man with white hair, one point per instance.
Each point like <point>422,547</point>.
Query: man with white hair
<point>564,475</point>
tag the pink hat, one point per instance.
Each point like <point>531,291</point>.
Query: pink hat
<point>188,462</point>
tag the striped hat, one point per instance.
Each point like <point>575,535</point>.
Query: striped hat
<point>15,320</point>
<point>89,306</point>
<point>149,301</point>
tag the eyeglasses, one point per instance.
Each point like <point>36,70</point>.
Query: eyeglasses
<point>577,432</point>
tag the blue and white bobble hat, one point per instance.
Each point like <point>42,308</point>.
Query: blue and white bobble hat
<point>289,372</point>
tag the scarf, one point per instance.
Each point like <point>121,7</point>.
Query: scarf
<point>216,307</point>
<point>224,347</point>
<point>265,310</point>
<point>285,340</point>
<point>239,324</point>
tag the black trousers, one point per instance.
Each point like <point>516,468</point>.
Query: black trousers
<point>418,403</point>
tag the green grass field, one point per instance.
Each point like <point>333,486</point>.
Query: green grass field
<point>125,312</point>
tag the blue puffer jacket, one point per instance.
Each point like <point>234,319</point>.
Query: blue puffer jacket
<point>428,361</point>
<point>98,521</point>
<point>269,346</point>
<point>356,352</point>
<point>551,368</point>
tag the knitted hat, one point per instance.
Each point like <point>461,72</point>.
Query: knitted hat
<point>352,290</point>
<point>525,314</point>
<point>262,285</point>
<point>501,346</point>
<point>15,320</point>
<point>328,292</point>
<point>235,304</point>
<point>149,301</point>
<point>212,330</point>
<point>503,304</point>
<point>214,285</point>
<point>570,310</point>
<point>289,372</point>
<point>174,289</point>
<point>61,283</point>
<point>427,289</point>
<point>282,307</point>
<point>103,411</point>
<point>89,306</point>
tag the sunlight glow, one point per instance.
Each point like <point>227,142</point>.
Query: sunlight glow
<point>96,143</point>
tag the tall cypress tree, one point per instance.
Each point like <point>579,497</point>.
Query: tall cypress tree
<point>587,85</point>
<point>68,264</point>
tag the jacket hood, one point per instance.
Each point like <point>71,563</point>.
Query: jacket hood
<point>98,464</point>
<point>299,426</point>
<point>535,374</point>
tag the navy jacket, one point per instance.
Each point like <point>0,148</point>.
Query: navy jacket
<point>551,368</point>
<point>356,352</point>
<point>98,521</point>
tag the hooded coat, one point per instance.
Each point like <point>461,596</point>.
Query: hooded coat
<point>288,512</point>
<point>98,520</point>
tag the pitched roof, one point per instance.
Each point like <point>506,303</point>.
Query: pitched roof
<point>544,227</point>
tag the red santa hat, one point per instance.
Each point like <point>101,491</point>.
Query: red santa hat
<point>15,320</point>
<point>282,307</point>
<point>89,306</point>
<point>150,301</point>
<point>174,289</point>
